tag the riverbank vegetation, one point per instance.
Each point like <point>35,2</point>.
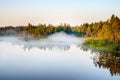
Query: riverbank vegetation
<point>103,35</point>
<point>106,36</point>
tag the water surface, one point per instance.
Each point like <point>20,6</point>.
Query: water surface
<point>58,57</point>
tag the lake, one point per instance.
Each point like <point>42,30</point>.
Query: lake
<point>57,57</point>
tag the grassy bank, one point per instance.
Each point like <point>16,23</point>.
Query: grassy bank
<point>103,45</point>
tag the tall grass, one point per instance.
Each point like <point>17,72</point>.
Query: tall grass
<point>103,45</point>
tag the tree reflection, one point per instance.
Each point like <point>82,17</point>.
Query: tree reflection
<point>108,61</point>
<point>49,47</point>
<point>105,60</point>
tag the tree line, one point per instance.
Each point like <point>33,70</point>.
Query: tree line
<point>105,35</point>
<point>109,30</point>
<point>101,33</point>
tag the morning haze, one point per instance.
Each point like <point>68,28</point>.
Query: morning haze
<point>59,39</point>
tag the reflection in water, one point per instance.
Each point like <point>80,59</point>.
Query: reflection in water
<point>109,62</point>
<point>65,48</point>
<point>53,59</point>
<point>105,60</point>
<point>60,40</point>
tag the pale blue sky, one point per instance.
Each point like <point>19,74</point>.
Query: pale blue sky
<point>74,12</point>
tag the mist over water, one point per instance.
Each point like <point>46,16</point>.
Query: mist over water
<point>34,60</point>
<point>63,37</point>
<point>60,40</point>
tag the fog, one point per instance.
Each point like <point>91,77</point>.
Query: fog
<point>60,40</point>
<point>67,60</point>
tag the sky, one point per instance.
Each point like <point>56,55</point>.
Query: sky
<point>73,12</point>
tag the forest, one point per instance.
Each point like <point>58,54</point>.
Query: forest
<point>103,35</point>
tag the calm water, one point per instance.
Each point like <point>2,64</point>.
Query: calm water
<point>52,59</point>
